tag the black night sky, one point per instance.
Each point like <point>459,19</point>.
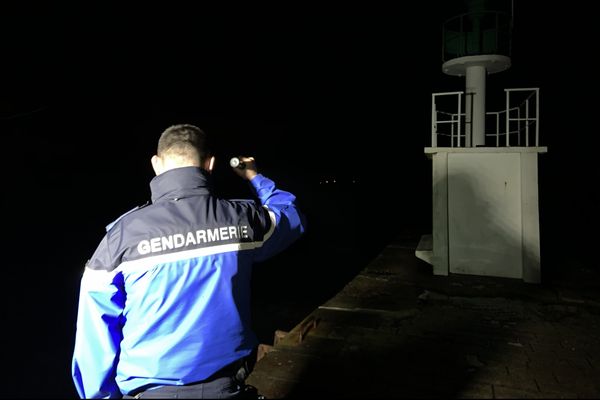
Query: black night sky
<point>313,94</point>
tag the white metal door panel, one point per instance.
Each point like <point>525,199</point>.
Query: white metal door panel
<point>484,214</point>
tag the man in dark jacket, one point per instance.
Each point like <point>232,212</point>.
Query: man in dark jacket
<point>164,306</point>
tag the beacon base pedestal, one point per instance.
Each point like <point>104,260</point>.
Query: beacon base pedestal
<point>485,212</point>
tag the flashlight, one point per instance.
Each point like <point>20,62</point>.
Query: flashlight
<point>237,163</point>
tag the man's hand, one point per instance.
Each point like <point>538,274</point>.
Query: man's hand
<point>249,171</point>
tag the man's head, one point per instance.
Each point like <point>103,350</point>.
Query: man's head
<point>182,145</point>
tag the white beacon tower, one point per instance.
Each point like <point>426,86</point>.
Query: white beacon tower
<point>485,217</point>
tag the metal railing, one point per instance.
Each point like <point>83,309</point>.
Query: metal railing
<point>513,126</point>
<point>474,33</point>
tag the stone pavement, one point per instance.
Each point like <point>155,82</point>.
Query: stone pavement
<point>398,331</point>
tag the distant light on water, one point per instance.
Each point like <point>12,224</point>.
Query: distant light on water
<point>338,181</point>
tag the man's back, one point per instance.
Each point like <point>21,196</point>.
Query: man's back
<point>172,282</point>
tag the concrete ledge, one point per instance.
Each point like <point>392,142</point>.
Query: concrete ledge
<point>424,249</point>
<point>506,149</point>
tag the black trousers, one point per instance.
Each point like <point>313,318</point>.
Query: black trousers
<point>228,383</point>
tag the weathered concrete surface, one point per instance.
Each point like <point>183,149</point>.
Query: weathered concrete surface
<point>398,331</point>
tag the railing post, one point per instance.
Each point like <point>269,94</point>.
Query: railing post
<point>459,115</point>
<point>507,116</point>
<point>519,126</point>
<point>527,122</point>
<point>433,122</point>
<point>452,122</point>
<point>497,129</point>
<point>537,117</point>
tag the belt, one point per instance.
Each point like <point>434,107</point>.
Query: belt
<point>238,371</point>
<point>216,388</point>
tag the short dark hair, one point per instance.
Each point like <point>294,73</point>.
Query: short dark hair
<point>184,140</point>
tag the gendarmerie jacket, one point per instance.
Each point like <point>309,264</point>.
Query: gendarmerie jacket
<point>165,298</point>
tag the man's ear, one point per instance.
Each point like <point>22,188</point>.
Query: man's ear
<point>157,164</point>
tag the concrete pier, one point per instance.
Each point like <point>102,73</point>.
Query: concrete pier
<point>397,330</point>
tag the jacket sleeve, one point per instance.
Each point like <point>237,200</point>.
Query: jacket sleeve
<point>287,223</point>
<point>98,335</point>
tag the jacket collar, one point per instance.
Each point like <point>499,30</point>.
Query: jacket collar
<point>179,182</point>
